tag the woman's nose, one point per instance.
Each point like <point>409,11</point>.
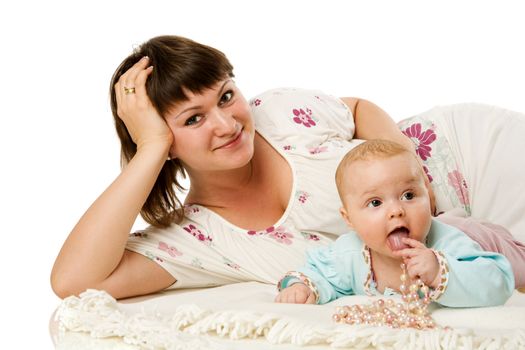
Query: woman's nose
<point>224,123</point>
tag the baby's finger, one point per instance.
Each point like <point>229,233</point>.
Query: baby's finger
<point>310,299</point>
<point>406,253</point>
<point>412,242</point>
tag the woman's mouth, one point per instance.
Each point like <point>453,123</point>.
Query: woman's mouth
<point>233,142</point>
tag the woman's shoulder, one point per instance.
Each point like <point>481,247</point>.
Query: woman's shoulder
<point>288,111</point>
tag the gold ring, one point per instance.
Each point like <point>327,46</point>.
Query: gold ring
<point>128,91</point>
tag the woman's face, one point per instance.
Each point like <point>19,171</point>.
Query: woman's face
<point>213,130</point>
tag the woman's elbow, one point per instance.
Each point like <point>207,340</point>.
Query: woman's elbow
<point>64,286</point>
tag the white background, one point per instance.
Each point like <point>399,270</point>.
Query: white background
<point>58,149</point>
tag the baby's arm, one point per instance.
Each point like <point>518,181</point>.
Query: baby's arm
<point>475,278</point>
<point>327,274</point>
<point>468,276</point>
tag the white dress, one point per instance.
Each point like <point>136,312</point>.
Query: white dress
<point>312,131</point>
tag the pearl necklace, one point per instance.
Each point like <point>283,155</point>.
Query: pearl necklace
<point>412,312</point>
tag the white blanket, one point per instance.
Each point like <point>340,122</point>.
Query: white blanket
<point>244,316</point>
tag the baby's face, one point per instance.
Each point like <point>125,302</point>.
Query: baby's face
<point>386,199</point>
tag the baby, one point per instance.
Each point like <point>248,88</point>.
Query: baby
<point>386,204</point>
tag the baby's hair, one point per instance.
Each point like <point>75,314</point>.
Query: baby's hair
<point>368,150</point>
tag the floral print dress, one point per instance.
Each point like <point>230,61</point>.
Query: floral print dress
<point>312,131</point>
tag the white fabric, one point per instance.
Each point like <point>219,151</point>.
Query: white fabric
<point>488,144</point>
<point>230,317</point>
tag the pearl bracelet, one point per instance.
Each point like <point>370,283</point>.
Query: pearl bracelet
<point>303,279</point>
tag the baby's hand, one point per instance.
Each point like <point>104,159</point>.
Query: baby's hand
<point>297,293</point>
<point>421,262</point>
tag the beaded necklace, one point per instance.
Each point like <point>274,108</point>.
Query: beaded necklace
<point>412,312</point>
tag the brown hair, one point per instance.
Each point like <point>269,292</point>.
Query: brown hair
<point>180,65</point>
<point>371,149</point>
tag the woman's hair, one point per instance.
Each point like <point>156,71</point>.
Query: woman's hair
<point>180,65</point>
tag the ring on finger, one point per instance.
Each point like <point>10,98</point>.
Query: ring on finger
<point>129,90</point>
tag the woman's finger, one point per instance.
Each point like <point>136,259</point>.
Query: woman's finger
<point>129,77</point>
<point>140,81</point>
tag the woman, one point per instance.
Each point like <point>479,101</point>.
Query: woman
<point>261,175</point>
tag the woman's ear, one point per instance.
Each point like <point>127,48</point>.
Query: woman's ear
<point>345,216</point>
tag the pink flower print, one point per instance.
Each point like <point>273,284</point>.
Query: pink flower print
<point>316,150</point>
<point>302,196</point>
<point>302,117</point>
<point>141,234</point>
<point>310,236</point>
<point>263,232</point>
<point>456,180</point>
<point>230,263</point>
<point>170,250</point>
<point>197,233</point>
<point>281,235</point>
<point>190,210</point>
<point>430,179</point>
<point>313,237</point>
<point>421,139</point>
<point>151,256</point>
<point>257,102</point>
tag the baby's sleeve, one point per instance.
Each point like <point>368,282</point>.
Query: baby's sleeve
<point>472,277</point>
<point>329,270</point>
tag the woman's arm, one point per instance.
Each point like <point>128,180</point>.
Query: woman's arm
<point>371,122</point>
<point>94,255</point>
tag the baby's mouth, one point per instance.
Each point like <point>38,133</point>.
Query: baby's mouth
<point>395,237</point>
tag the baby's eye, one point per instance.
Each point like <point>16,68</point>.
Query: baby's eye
<point>407,196</point>
<point>194,119</point>
<point>226,97</point>
<point>374,203</point>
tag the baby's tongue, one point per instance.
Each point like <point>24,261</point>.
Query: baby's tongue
<point>394,239</point>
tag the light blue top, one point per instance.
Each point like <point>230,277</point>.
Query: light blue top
<point>476,278</point>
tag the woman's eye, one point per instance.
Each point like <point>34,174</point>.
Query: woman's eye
<point>374,203</point>
<point>408,196</point>
<point>226,97</point>
<point>194,119</point>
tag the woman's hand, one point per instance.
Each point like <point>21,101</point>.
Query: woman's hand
<point>297,293</point>
<point>134,107</point>
<point>421,262</point>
